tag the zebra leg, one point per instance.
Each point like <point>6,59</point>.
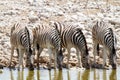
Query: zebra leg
<point>17,51</point>
<point>20,58</point>
<point>68,65</point>
<point>85,60</point>
<point>38,54</point>
<point>94,53</point>
<point>104,57</point>
<point>79,59</point>
<point>59,59</point>
<point>55,58</point>
<point>50,57</point>
<point>12,52</point>
<point>112,59</point>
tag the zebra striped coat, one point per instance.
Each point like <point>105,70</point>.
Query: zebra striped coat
<point>72,36</point>
<point>103,34</point>
<point>20,40</point>
<point>48,37</point>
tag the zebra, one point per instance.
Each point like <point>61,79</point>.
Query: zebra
<point>72,36</point>
<point>48,37</point>
<point>103,34</point>
<point>20,40</point>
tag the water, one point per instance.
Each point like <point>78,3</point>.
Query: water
<point>65,74</point>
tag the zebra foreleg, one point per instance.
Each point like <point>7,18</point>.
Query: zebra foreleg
<point>79,59</point>
<point>55,58</point>
<point>38,55</point>
<point>20,58</point>
<point>50,57</point>
<point>60,59</point>
<point>68,65</point>
<point>10,61</point>
<point>94,53</point>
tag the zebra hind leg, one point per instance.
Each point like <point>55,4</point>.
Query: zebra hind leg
<point>39,50</point>
<point>112,60</point>
<point>50,57</point>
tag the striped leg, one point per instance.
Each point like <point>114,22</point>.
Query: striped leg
<point>112,59</point>
<point>104,57</point>
<point>20,58</point>
<point>50,57</point>
<point>38,54</point>
<point>55,58</point>
<point>68,65</point>
<point>94,53</point>
<point>79,59</point>
<point>12,52</point>
<point>84,60</point>
<point>59,59</point>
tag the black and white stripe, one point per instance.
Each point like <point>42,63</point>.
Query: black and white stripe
<point>48,37</point>
<point>20,40</point>
<point>72,36</point>
<point>103,34</point>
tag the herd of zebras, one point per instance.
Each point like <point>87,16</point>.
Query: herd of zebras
<point>58,36</point>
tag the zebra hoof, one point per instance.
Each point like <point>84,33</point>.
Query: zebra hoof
<point>11,67</point>
<point>94,65</point>
<point>49,68</point>
<point>60,68</point>
<point>87,66</point>
<point>31,67</point>
<point>114,66</point>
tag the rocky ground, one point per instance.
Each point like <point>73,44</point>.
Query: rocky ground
<point>78,12</point>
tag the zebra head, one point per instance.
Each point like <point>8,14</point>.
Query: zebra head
<point>29,50</point>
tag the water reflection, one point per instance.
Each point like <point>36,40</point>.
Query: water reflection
<point>68,75</point>
<point>94,74</point>
<point>85,75</point>
<point>30,75</point>
<point>50,75</point>
<point>11,75</point>
<point>58,75</point>
<point>38,75</point>
<point>113,75</point>
<point>65,74</point>
<point>20,75</point>
<point>55,75</point>
<point>104,75</point>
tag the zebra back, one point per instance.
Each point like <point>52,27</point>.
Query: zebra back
<point>45,35</point>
